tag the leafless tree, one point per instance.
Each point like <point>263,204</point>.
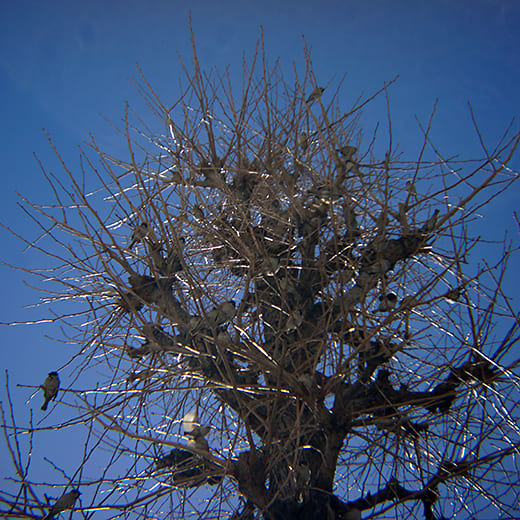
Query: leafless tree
<point>284,314</point>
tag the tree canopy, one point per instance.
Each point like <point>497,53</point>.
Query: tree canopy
<point>281,312</point>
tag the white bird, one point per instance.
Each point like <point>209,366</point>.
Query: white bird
<point>50,388</point>
<point>66,501</point>
<point>139,232</point>
<point>315,94</point>
<point>387,302</point>
<point>195,432</point>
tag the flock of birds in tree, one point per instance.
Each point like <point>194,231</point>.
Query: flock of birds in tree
<point>221,314</point>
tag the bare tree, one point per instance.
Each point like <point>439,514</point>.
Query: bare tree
<point>283,314</point>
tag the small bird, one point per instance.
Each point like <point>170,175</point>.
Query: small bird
<point>294,320</point>
<point>221,313</point>
<point>195,323</point>
<point>197,212</point>
<point>176,177</point>
<point>453,295</point>
<point>66,501</point>
<point>139,232</point>
<point>431,223</point>
<point>347,151</point>
<point>303,141</point>
<point>223,338</point>
<point>315,94</point>
<point>328,194</point>
<point>194,431</point>
<point>410,188</point>
<point>408,302</point>
<point>173,262</point>
<point>50,388</point>
<point>227,310</point>
<point>306,380</point>
<point>387,302</point>
<point>269,266</point>
<point>199,443</point>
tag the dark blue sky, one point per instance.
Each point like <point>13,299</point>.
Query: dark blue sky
<point>62,64</point>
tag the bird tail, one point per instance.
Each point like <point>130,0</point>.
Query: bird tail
<point>43,408</point>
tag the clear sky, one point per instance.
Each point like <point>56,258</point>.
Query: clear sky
<point>62,64</point>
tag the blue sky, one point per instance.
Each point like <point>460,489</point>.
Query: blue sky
<point>62,64</point>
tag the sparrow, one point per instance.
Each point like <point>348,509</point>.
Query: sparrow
<point>315,94</point>
<point>410,188</point>
<point>303,141</point>
<point>347,151</point>
<point>50,388</point>
<point>173,262</point>
<point>387,302</point>
<point>306,381</point>
<point>294,320</point>
<point>269,266</point>
<point>139,232</point>
<point>66,501</point>
<point>408,302</point>
<point>199,443</point>
<point>220,314</point>
<point>197,212</point>
<point>453,295</point>
<point>195,323</point>
<point>328,194</point>
<point>174,458</point>
<point>431,223</point>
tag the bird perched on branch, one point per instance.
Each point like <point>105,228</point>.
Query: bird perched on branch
<point>194,431</point>
<point>387,302</point>
<point>220,314</point>
<point>315,94</point>
<point>66,501</point>
<point>453,295</point>
<point>410,188</point>
<point>431,223</point>
<point>139,232</point>
<point>50,388</point>
<point>197,212</point>
<point>303,141</point>
<point>294,320</point>
<point>347,152</point>
<point>173,262</point>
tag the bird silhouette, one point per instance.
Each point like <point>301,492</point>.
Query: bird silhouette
<point>315,94</point>
<point>139,232</point>
<point>66,501</point>
<point>50,388</point>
